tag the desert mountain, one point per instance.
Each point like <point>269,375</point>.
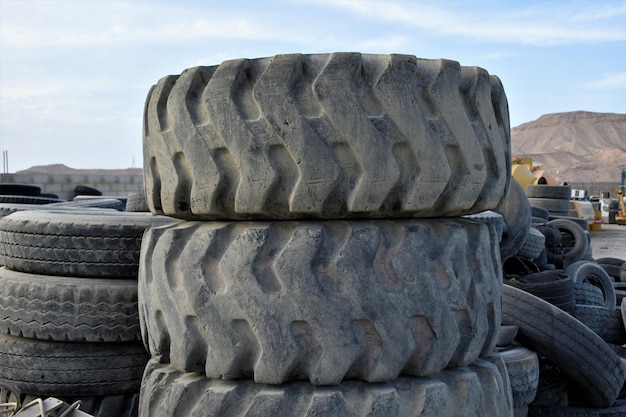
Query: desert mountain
<point>575,146</point>
<point>65,170</point>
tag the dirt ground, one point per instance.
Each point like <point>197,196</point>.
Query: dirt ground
<point>609,242</point>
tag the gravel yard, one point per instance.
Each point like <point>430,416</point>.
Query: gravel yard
<point>609,242</point>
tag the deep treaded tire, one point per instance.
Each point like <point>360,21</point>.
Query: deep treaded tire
<point>68,309</point>
<point>57,368</point>
<point>522,365</point>
<point>588,294</point>
<point>330,136</point>
<point>481,389</point>
<point>592,273</point>
<point>74,243</point>
<point>580,353</point>
<point>320,300</point>
<point>606,323</point>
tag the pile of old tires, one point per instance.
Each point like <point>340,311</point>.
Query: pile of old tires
<point>569,322</point>
<point>553,198</point>
<point>69,325</point>
<point>324,264</point>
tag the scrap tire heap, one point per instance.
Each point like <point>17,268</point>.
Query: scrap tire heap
<point>305,278</point>
<point>568,310</point>
<point>69,322</point>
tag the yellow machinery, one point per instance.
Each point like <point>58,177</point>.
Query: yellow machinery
<point>621,215</point>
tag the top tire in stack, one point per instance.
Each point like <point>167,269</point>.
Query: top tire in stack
<point>309,272</point>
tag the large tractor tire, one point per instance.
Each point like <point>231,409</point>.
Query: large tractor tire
<point>321,301</point>
<point>481,389</point>
<point>329,136</point>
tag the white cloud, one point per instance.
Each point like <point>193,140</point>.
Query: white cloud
<point>549,24</point>
<point>609,82</point>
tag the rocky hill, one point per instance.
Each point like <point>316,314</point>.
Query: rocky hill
<point>65,170</point>
<point>575,146</point>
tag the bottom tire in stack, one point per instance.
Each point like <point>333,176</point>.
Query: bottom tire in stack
<point>325,317</point>
<point>480,389</point>
<point>73,333</point>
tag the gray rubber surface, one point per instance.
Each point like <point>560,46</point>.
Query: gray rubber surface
<point>68,308</point>
<point>331,136</point>
<point>522,365</point>
<point>320,301</point>
<point>481,389</point>
<point>580,353</point>
<point>75,243</point>
<point>58,368</point>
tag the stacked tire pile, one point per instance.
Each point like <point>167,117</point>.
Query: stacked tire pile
<point>11,193</point>
<point>304,278</point>
<point>570,321</point>
<point>553,198</point>
<point>69,325</point>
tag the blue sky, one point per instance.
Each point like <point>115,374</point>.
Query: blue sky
<point>74,74</point>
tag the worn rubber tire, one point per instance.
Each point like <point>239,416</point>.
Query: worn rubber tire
<point>611,261</point>
<point>103,244</point>
<point>481,389</point>
<point>571,231</point>
<point>592,273</point>
<point>553,205</point>
<point>506,336</point>
<point>62,368</point>
<point>136,201</point>
<point>96,202</point>
<point>607,324</point>
<point>516,213</point>
<point>616,410</point>
<point>69,309</point>
<point>10,208</point>
<point>341,135</point>
<point>588,294</point>
<point>561,192</point>
<point>19,189</point>
<point>86,190</point>
<point>540,213</point>
<point>492,217</point>
<point>533,245</point>
<point>522,365</point>
<point>553,286</point>
<point>580,353</point>
<point>612,270</point>
<point>24,199</point>
<point>623,311</point>
<point>320,300</point>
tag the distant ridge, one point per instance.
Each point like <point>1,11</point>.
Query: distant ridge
<point>63,169</point>
<point>575,146</point>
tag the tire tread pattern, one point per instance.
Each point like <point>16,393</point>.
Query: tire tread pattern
<point>392,135</point>
<point>344,298</point>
